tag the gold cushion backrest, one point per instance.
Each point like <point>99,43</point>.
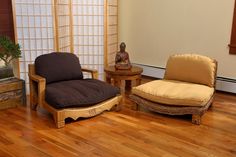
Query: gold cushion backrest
<point>191,68</point>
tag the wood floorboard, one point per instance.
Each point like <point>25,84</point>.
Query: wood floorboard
<point>128,133</point>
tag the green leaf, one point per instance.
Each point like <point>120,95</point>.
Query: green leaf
<point>8,50</point>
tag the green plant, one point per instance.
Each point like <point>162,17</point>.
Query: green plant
<point>8,50</point>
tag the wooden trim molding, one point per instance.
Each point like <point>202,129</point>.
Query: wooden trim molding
<point>105,33</point>
<point>71,27</point>
<point>232,45</point>
<point>16,62</point>
<point>55,25</point>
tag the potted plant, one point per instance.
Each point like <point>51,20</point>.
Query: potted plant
<point>8,51</point>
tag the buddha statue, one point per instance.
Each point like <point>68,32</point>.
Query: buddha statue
<point>122,61</point>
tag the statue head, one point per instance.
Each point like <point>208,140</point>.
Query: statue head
<point>122,47</point>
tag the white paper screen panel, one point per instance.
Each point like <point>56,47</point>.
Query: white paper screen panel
<point>112,31</point>
<point>34,27</point>
<point>88,33</point>
<point>63,25</point>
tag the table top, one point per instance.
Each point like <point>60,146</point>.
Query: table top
<point>10,80</point>
<point>135,70</point>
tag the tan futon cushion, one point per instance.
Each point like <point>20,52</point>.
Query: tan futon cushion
<point>174,93</point>
<point>191,68</point>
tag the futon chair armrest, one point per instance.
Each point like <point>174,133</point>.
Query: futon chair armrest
<point>37,78</point>
<point>93,72</point>
<point>37,88</point>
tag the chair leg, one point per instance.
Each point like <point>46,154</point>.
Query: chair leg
<point>196,119</point>
<point>60,124</point>
<point>136,107</point>
<point>33,103</point>
<point>33,95</point>
<point>33,106</point>
<point>59,121</point>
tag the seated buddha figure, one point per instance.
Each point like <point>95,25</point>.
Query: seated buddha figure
<point>122,61</point>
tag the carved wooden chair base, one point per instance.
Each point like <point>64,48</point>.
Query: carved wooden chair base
<point>196,112</point>
<point>60,115</point>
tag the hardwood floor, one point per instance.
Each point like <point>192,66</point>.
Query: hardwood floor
<point>127,133</point>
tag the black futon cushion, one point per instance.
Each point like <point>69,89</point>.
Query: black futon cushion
<point>58,66</point>
<point>79,93</point>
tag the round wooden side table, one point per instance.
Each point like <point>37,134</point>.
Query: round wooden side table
<point>120,77</point>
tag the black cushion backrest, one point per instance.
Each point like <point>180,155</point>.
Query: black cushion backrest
<point>58,66</point>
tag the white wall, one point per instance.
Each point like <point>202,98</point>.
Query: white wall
<point>155,29</point>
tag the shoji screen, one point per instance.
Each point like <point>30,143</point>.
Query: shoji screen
<point>88,27</point>
<point>34,24</point>
<point>63,26</point>
<point>112,30</point>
